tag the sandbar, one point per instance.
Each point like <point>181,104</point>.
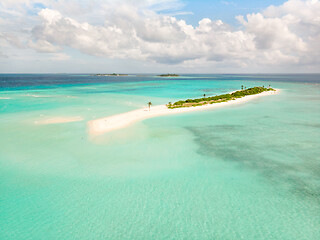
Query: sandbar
<point>56,120</point>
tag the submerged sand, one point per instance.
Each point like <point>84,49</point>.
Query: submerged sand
<point>107,124</point>
<point>56,120</point>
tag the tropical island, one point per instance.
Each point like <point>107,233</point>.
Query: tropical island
<point>219,98</point>
<point>111,123</point>
<point>110,74</point>
<point>168,75</point>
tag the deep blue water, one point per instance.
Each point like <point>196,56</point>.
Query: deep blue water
<point>29,81</point>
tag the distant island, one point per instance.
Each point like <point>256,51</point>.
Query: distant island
<point>110,74</point>
<point>168,75</point>
<point>219,98</point>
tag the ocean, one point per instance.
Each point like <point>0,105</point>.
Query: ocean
<point>246,171</point>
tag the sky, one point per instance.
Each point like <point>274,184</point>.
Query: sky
<point>159,36</point>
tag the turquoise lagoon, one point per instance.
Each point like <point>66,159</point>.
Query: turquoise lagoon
<point>248,171</point>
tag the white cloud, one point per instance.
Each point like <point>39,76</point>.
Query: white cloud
<point>285,35</point>
<point>43,46</point>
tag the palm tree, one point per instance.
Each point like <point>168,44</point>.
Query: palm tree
<point>204,95</point>
<point>149,104</point>
<point>241,87</point>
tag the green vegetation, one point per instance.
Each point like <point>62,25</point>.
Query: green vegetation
<point>110,74</point>
<point>219,98</point>
<point>168,75</point>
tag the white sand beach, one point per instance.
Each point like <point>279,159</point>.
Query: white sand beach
<point>107,124</point>
<point>56,120</point>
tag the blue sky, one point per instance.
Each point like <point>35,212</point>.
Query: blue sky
<point>217,36</point>
<point>224,10</point>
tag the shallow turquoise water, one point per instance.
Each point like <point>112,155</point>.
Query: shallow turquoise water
<point>250,171</point>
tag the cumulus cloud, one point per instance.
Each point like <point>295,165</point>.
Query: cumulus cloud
<point>288,34</point>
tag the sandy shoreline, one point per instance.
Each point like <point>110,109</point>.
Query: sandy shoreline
<point>107,124</point>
